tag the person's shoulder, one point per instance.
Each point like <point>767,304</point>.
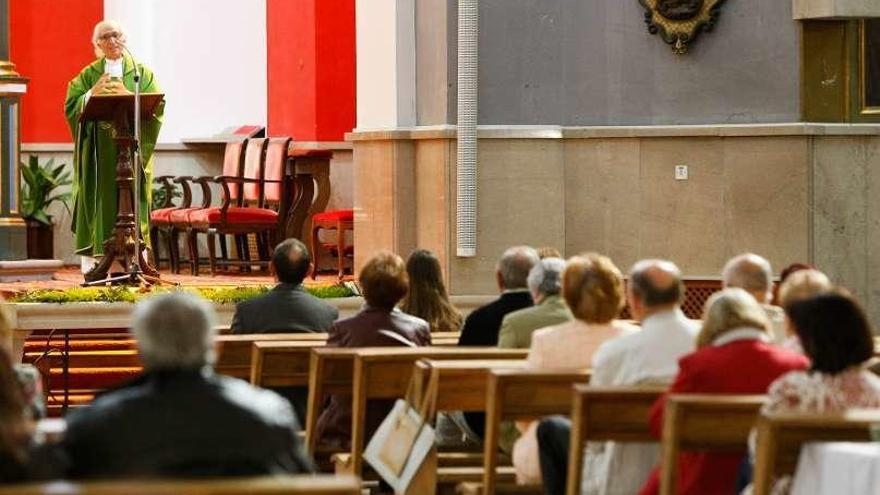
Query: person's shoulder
<point>265,404</point>
<point>410,321</point>
<point>785,357</point>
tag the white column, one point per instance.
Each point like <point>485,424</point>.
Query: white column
<point>386,63</point>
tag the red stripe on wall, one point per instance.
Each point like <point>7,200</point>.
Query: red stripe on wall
<point>311,68</point>
<point>50,42</point>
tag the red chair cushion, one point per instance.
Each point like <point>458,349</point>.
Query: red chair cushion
<point>334,215</point>
<point>181,215</point>
<point>234,215</point>
<point>161,215</point>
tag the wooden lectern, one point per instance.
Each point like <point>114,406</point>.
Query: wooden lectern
<point>126,245</point>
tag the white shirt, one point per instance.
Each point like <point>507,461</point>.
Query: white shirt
<point>646,357</point>
<point>114,67</point>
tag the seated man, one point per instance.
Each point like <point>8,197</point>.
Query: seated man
<point>179,419</point>
<point>544,282</point>
<point>655,293</point>
<point>287,308</point>
<point>753,274</point>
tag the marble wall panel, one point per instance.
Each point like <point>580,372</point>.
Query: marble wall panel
<point>433,206</point>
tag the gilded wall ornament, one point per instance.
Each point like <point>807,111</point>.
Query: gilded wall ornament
<point>679,22</point>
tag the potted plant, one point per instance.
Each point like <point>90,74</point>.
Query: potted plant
<point>39,191</point>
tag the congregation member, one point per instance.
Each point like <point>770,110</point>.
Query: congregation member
<point>648,357</point>
<point>734,356</point>
<point>384,283</point>
<point>180,419</point>
<point>836,336</point>
<point>427,297</point>
<point>798,286</point>
<point>593,290</point>
<point>16,427</point>
<point>544,282</point>
<point>753,274</point>
<point>288,307</point>
<point>481,327</point>
<point>787,272</point>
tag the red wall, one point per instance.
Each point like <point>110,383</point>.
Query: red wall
<point>311,73</point>
<point>50,42</point>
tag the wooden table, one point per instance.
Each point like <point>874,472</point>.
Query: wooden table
<point>307,170</point>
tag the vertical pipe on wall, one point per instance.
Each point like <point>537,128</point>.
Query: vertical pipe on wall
<point>466,203</point>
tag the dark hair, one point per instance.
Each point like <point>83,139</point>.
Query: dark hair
<point>384,280</point>
<point>291,259</point>
<point>833,331</point>
<point>643,287</point>
<point>427,297</point>
<point>786,272</point>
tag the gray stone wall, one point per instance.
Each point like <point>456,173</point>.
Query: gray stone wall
<point>592,62</point>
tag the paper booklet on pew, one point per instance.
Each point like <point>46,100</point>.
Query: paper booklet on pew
<point>402,450</point>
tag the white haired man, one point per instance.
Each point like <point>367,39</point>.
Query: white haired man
<point>545,282</point>
<point>179,419</point>
<point>753,274</point>
<point>94,163</point>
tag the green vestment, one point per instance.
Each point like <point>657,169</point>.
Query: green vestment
<point>94,160</point>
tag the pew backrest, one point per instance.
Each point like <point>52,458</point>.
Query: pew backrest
<point>600,414</point>
<point>519,395</point>
<point>697,422</point>
<point>781,436</point>
<point>282,363</point>
<point>330,372</point>
<point>460,383</point>
<point>262,485</point>
<point>234,351</point>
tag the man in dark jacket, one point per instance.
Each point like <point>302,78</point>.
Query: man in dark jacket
<point>481,327</point>
<point>287,308</point>
<point>180,419</point>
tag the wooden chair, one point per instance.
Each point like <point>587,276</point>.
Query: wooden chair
<point>603,414</point>
<point>170,220</point>
<point>520,395</point>
<point>780,437</point>
<point>341,221</point>
<point>234,351</point>
<point>262,485</point>
<point>716,423</point>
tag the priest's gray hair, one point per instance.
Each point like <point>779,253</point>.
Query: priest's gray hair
<point>105,25</point>
<point>175,331</point>
<point>545,278</point>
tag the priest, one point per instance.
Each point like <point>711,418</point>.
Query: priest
<point>94,185</point>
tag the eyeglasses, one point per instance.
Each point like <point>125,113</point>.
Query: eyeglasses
<point>115,35</point>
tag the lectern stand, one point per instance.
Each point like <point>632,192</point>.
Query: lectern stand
<point>126,245</point>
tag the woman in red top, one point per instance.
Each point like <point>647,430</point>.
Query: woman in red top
<point>733,356</point>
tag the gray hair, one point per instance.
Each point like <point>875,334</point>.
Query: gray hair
<point>546,276</point>
<point>105,25</point>
<point>515,264</point>
<point>175,331</point>
<point>749,272</point>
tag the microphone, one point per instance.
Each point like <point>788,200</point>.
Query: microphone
<point>137,70</point>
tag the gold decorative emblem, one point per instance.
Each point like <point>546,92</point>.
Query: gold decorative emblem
<point>679,22</point>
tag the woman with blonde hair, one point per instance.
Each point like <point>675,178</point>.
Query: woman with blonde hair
<point>734,356</point>
<point>427,297</point>
<point>592,287</point>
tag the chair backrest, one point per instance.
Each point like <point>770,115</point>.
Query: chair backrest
<point>276,158</point>
<point>385,373</point>
<point>601,414</point>
<point>718,423</point>
<point>780,437</point>
<point>232,161</point>
<point>258,485</point>
<point>253,169</point>
<point>519,395</point>
<point>234,351</point>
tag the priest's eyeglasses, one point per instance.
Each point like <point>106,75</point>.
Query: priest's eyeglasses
<point>111,35</point>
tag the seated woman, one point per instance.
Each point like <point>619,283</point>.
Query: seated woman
<point>836,336</point>
<point>427,297</point>
<point>593,289</point>
<point>384,282</point>
<point>800,285</point>
<point>733,356</point>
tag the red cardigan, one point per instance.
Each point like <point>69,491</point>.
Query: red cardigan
<point>739,367</point>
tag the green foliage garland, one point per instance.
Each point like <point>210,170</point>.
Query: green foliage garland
<point>219,295</point>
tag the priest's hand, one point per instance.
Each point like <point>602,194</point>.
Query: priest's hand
<point>108,86</point>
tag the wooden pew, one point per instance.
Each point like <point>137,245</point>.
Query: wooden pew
<point>780,437</point>
<point>618,414</point>
<point>719,423</point>
<point>519,395</point>
<point>263,485</point>
<point>385,373</point>
<point>234,351</point>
